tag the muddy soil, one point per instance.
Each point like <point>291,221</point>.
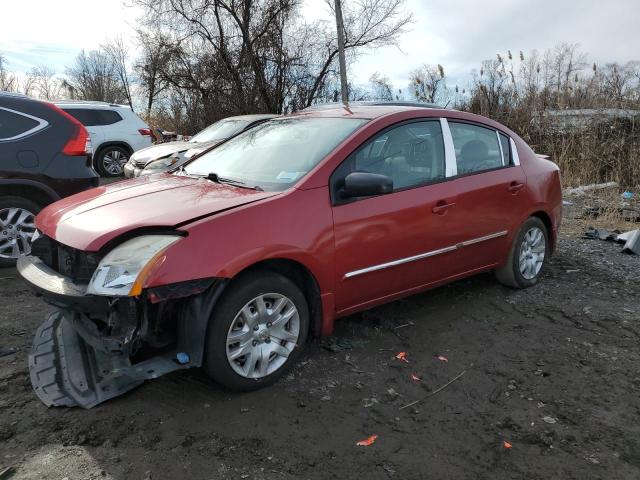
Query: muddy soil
<point>553,371</point>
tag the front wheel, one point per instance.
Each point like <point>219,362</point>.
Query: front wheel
<point>527,257</point>
<point>17,226</point>
<point>256,331</point>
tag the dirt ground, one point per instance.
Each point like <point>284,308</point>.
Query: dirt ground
<point>553,371</point>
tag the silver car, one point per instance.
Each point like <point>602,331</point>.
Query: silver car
<point>164,156</point>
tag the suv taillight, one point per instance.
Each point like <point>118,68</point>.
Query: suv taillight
<point>80,141</point>
<point>145,131</point>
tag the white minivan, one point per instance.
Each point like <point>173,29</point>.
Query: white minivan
<point>116,132</point>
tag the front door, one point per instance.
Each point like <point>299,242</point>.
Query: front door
<point>393,243</point>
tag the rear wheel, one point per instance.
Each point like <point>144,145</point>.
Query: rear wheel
<point>256,331</point>
<point>17,226</point>
<point>111,160</point>
<point>527,257</point>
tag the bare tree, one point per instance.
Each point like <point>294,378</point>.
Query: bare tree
<point>93,76</point>
<point>381,87</point>
<point>43,82</point>
<point>117,54</point>
<point>8,80</point>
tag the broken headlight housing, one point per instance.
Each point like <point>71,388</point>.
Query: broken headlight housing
<point>123,270</point>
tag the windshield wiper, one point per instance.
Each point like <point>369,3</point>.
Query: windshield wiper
<point>214,177</point>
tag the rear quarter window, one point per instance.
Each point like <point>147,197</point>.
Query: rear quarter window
<point>94,117</point>
<point>13,124</point>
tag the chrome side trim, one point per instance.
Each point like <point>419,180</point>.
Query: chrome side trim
<point>451,165</point>
<point>421,256</point>
<point>41,124</point>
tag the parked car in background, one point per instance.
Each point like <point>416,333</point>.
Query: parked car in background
<point>232,261</point>
<point>167,155</point>
<point>45,154</point>
<point>116,132</point>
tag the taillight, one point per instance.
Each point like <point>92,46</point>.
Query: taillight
<point>80,142</point>
<point>145,131</point>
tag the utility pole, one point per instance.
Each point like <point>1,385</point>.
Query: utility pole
<point>343,62</point>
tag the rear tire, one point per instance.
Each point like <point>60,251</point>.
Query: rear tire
<point>111,160</point>
<point>250,345</point>
<point>524,266</point>
<point>15,227</point>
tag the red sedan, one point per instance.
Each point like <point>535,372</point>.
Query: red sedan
<point>233,260</point>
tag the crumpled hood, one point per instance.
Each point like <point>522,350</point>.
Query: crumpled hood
<point>90,219</point>
<point>155,152</point>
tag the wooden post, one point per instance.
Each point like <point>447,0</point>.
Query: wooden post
<point>341,57</point>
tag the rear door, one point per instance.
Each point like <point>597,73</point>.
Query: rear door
<point>490,183</point>
<point>390,244</point>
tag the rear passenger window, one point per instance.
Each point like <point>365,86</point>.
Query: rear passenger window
<point>13,124</point>
<point>411,154</point>
<point>477,148</point>
<point>506,149</point>
<point>93,118</point>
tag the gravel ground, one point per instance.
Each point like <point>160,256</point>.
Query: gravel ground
<point>552,371</point>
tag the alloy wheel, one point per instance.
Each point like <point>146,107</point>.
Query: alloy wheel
<point>532,252</point>
<point>114,161</point>
<point>16,230</point>
<point>262,335</point>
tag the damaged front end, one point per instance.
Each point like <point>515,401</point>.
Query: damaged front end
<point>95,347</point>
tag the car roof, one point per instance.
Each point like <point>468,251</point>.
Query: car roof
<point>367,110</point>
<point>88,104</point>
<point>252,118</point>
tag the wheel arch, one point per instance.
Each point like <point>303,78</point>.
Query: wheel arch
<point>546,219</point>
<point>113,143</point>
<point>34,191</point>
<point>299,274</point>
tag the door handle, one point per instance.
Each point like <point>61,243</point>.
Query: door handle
<point>442,207</point>
<point>515,187</point>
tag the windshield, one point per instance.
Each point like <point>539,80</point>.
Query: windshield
<point>275,154</point>
<point>220,130</point>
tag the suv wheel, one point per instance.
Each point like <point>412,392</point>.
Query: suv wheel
<point>111,160</point>
<point>17,227</point>
<point>256,331</point>
<point>527,257</point>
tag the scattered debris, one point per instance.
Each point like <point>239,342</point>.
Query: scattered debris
<point>590,188</point>
<point>369,402</point>
<point>336,344</point>
<point>6,351</point>
<point>6,472</point>
<point>410,324</point>
<point>549,420</point>
<point>415,378</point>
<point>431,394</point>
<point>630,239</point>
<point>627,195</point>
<point>506,444</point>
<point>402,356</point>
<point>367,441</point>
<point>442,358</point>
<point>567,202</point>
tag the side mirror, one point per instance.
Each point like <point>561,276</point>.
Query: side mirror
<point>364,184</point>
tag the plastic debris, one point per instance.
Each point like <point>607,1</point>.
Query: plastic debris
<point>549,420</point>
<point>402,356</point>
<point>415,378</point>
<point>506,444</point>
<point>367,441</point>
<point>590,188</point>
<point>627,195</point>
<point>442,358</point>
<point>630,239</point>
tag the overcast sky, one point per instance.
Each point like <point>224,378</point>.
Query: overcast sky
<point>458,34</point>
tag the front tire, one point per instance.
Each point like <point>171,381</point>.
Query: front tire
<point>17,226</point>
<point>527,257</point>
<point>256,332</point>
<point>111,160</point>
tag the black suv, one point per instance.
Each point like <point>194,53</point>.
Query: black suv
<point>45,154</point>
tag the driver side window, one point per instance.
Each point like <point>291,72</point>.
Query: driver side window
<point>411,154</point>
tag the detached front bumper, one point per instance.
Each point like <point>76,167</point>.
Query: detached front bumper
<point>88,351</point>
